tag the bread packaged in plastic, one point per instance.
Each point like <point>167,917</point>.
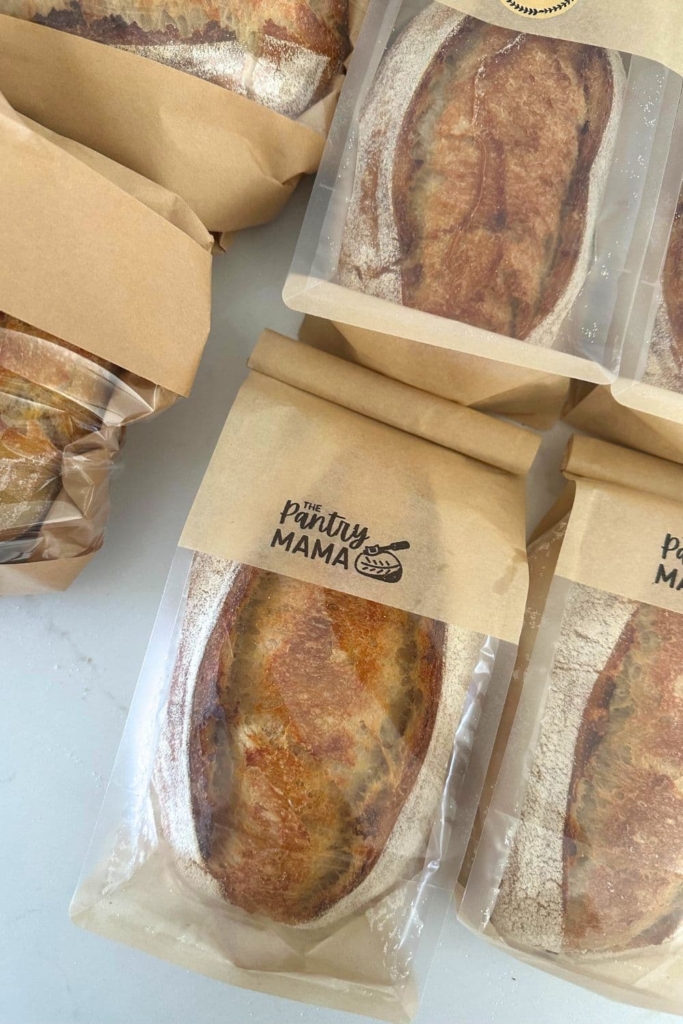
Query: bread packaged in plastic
<point>481,187</point>
<point>648,325</point>
<point>226,105</point>
<point>530,397</point>
<point>296,783</point>
<point>577,869</point>
<point>102,324</point>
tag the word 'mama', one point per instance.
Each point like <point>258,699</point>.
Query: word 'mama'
<point>667,573</point>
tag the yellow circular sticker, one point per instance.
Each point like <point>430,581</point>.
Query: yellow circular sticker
<point>539,9</point>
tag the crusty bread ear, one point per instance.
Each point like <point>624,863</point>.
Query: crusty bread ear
<point>471,200</point>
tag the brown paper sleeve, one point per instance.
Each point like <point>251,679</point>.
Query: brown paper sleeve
<point>399,405</point>
<point>168,205</point>
<point>110,275</point>
<point>532,398</point>
<point>233,161</point>
<point>624,534</point>
<point>649,400</point>
<point>611,464</point>
<point>457,522</point>
<point>653,29</point>
<point>30,578</point>
<point>600,414</point>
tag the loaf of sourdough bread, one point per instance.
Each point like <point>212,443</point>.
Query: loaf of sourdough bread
<point>482,159</point>
<point>306,743</point>
<point>51,395</point>
<point>282,53</point>
<point>597,856</point>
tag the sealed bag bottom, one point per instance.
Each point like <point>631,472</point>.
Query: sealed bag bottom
<point>579,868</point>
<point>282,813</point>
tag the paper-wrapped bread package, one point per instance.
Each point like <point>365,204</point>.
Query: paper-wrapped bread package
<point>481,189</point>
<point>225,105</point>
<point>297,781</point>
<point>577,865</point>
<point>105,328</point>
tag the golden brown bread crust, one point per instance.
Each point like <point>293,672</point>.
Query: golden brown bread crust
<point>491,177</point>
<point>42,387</point>
<point>624,829</point>
<point>311,718</point>
<point>222,33</point>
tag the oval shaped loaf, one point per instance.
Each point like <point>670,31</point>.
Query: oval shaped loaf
<point>623,853</point>
<point>282,53</point>
<point>307,742</point>
<point>596,860</point>
<point>482,158</point>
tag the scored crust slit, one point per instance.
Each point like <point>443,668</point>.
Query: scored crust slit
<point>482,159</point>
<point>596,860</point>
<point>306,744</point>
<point>664,367</point>
<point>284,54</point>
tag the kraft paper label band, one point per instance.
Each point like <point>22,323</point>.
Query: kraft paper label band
<point>625,533</point>
<point>542,11</point>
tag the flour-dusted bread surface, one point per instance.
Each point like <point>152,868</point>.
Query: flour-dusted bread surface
<point>623,871</point>
<point>51,395</point>
<point>596,862</point>
<point>282,53</point>
<point>482,159</point>
<point>308,741</point>
<point>665,359</point>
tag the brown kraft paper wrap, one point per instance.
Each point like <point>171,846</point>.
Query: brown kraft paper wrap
<point>74,291</point>
<point>232,160</point>
<point>321,405</point>
<point>373,461</point>
<point>597,412</point>
<point>77,361</point>
<point>651,30</point>
<point>587,789</point>
<point>532,398</point>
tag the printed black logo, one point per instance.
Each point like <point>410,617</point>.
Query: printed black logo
<point>667,573</point>
<point>336,542</point>
<point>381,563</point>
<point>532,11</point>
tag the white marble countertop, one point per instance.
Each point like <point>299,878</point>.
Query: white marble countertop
<point>68,667</point>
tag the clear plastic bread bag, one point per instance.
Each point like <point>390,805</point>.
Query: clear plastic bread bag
<point>62,417</point>
<point>648,325</point>
<point>301,765</point>
<point>578,868</point>
<point>480,189</point>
